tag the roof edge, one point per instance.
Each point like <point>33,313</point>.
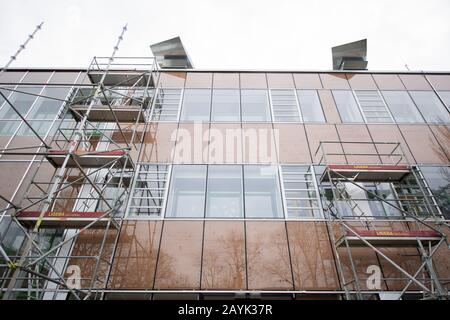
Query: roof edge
<point>43,69</point>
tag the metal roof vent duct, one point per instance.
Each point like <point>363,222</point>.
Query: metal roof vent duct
<point>171,54</point>
<point>350,56</point>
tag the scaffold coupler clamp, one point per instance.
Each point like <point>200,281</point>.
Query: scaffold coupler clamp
<point>12,265</point>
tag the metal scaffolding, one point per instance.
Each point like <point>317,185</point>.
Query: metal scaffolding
<point>93,153</point>
<point>99,176</point>
<point>351,165</point>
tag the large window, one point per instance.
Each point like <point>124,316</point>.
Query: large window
<point>430,106</point>
<point>361,200</point>
<point>347,106</point>
<point>216,191</point>
<point>225,105</point>
<point>7,128</point>
<point>40,127</point>
<point>262,192</point>
<point>22,102</point>
<point>310,106</point>
<point>187,191</point>
<point>225,196</point>
<point>369,205</point>
<point>48,108</point>
<point>402,107</point>
<point>445,96</point>
<point>5,92</point>
<point>196,105</point>
<point>255,105</point>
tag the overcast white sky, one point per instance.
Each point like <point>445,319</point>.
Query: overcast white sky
<point>224,34</point>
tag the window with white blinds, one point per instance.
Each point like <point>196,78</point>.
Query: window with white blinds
<point>167,105</point>
<point>373,107</point>
<point>285,106</point>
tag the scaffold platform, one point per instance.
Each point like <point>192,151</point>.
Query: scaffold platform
<point>395,238</point>
<point>366,173</point>
<point>102,113</point>
<point>68,220</point>
<point>87,159</point>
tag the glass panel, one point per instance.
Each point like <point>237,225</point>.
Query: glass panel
<point>334,81</point>
<point>60,77</point>
<point>226,80</point>
<point>310,106</point>
<point>11,77</point>
<point>7,128</point>
<point>180,255</point>
<point>312,258</point>
<point>159,142</point>
<point>253,80</point>
<point>223,263</point>
<point>439,81</point>
<point>430,106</point>
<point>329,106</point>
<point>363,203</point>
<point>255,105</point>
<point>268,262</point>
<point>21,101</point>
<point>346,104</point>
<point>262,192</point>
<point>41,127</point>
<point>224,197</point>
<point>11,174</point>
<point>187,191</point>
<point>36,77</point>
<point>198,80</point>
<point>445,96</point>
<point>280,80</point>
<point>361,81</point>
<point>225,105</point>
<point>307,81</point>
<point>292,145</point>
<point>172,79</point>
<point>83,96</point>
<point>47,108</point>
<point>136,255</point>
<point>422,144</point>
<point>402,107</point>
<point>415,82</point>
<point>438,180</point>
<point>388,82</point>
<point>411,197</point>
<point>6,93</point>
<point>196,105</point>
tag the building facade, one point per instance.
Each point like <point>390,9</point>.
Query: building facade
<point>203,184</point>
